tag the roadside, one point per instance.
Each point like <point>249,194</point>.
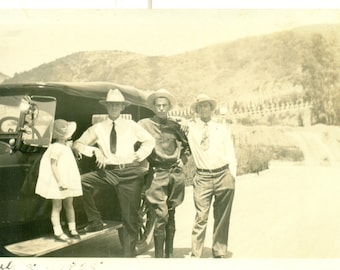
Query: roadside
<point>288,211</point>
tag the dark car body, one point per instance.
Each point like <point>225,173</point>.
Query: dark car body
<point>27,112</point>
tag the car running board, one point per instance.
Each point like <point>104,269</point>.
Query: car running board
<point>47,244</point>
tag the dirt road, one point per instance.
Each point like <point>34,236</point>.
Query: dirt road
<point>288,211</point>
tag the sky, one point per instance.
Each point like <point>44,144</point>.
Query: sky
<point>33,33</point>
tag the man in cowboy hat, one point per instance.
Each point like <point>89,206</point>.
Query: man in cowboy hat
<point>118,164</point>
<point>165,183</point>
<point>213,152</point>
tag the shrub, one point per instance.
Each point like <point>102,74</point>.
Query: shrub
<point>252,158</point>
<point>247,121</point>
<point>189,170</point>
<point>288,153</point>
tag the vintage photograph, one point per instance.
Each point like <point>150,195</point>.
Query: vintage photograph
<point>151,130</point>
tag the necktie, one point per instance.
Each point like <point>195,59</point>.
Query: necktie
<point>162,121</point>
<point>205,137</point>
<point>113,139</point>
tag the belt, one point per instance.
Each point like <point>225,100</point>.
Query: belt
<point>165,166</point>
<point>220,169</point>
<point>120,166</point>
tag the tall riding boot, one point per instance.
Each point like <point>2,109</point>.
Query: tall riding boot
<point>159,246</point>
<point>169,243</point>
<point>170,234</point>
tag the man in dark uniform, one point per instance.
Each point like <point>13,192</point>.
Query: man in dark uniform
<point>165,183</point>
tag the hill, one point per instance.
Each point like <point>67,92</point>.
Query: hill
<point>3,77</point>
<point>249,69</point>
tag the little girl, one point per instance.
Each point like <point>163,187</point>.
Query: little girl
<point>59,179</point>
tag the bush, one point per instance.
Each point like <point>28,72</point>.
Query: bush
<point>252,159</point>
<point>189,170</point>
<point>288,153</point>
<point>248,121</point>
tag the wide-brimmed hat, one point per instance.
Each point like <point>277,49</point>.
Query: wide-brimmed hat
<point>158,94</point>
<point>114,96</point>
<point>203,98</point>
<point>63,129</point>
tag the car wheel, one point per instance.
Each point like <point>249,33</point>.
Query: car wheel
<point>146,220</point>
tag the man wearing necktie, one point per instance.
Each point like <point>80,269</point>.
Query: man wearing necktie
<point>213,152</point>
<point>112,143</point>
<point>165,183</point>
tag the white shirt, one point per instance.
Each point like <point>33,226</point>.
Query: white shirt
<point>221,148</point>
<point>128,133</point>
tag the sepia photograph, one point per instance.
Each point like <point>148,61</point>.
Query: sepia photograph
<point>190,131</point>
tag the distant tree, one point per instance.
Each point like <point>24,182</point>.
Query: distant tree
<point>320,79</point>
<point>236,106</point>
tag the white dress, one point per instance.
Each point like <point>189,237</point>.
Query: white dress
<point>47,186</point>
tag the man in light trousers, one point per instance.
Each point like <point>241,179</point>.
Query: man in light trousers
<point>213,152</point>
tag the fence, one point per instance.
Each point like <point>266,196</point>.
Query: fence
<point>293,114</point>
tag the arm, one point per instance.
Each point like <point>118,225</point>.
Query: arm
<point>185,151</point>
<point>146,140</point>
<point>84,146</point>
<point>55,172</point>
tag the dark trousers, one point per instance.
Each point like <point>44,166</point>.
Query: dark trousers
<point>128,184</point>
<point>165,192</point>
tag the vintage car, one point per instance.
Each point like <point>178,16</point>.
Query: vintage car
<point>27,112</point>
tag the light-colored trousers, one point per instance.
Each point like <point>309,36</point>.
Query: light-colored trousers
<point>221,187</point>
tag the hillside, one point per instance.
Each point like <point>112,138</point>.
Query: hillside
<point>249,69</point>
<point>3,77</point>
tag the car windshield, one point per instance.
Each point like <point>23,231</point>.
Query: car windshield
<point>9,113</point>
<point>38,124</point>
<point>32,116</point>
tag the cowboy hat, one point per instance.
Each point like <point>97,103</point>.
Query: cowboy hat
<point>114,96</point>
<point>63,129</point>
<point>161,93</point>
<point>203,98</point>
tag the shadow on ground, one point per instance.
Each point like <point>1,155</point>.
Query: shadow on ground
<point>183,253</point>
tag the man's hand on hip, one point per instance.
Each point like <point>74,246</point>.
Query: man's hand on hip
<point>100,159</point>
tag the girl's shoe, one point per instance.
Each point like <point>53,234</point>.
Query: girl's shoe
<point>74,234</point>
<point>62,238</point>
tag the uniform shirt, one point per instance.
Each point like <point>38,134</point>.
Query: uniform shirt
<point>221,149</point>
<point>128,134</point>
<point>171,142</point>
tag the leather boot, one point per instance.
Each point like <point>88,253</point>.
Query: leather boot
<point>159,246</point>
<point>169,243</point>
<point>170,234</point>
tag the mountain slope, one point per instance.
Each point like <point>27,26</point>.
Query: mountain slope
<point>3,77</point>
<point>249,69</point>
